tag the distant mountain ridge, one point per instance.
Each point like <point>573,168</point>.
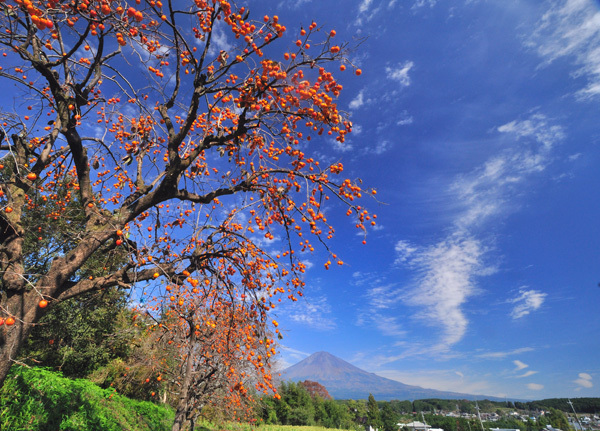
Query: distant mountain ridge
<point>345,381</point>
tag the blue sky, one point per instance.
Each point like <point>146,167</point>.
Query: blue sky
<point>477,123</point>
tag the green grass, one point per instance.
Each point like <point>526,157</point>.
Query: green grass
<point>38,399</point>
<point>293,428</point>
<point>247,427</point>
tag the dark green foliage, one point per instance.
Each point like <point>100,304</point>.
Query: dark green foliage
<point>267,411</point>
<point>514,423</point>
<point>401,407</point>
<point>296,406</point>
<point>129,378</point>
<point>78,335</point>
<point>455,424</point>
<point>337,415</point>
<point>37,399</point>
<point>53,227</point>
<point>82,334</point>
<point>557,419</point>
<point>389,418</point>
<point>463,406</point>
<point>581,405</point>
<point>358,410</point>
<point>373,414</point>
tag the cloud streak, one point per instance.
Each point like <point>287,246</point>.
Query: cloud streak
<point>358,101</point>
<point>584,381</point>
<point>446,274</point>
<point>400,73</point>
<point>526,302</point>
<point>445,280</point>
<point>527,374</point>
<point>535,386</point>
<point>501,355</point>
<point>520,365</point>
<point>571,30</point>
<point>314,314</point>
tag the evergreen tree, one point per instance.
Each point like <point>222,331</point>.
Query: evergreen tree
<point>389,418</point>
<point>373,414</point>
<point>296,406</point>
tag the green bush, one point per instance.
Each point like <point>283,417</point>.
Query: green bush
<point>38,399</point>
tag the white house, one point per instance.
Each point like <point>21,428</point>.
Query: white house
<point>416,426</point>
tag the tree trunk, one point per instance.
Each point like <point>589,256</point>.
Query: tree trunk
<point>24,309</point>
<point>184,396</point>
<point>179,420</point>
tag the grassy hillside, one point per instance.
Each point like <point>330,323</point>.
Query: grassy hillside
<point>37,399</point>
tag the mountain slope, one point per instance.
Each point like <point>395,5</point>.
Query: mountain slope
<point>345,381</point>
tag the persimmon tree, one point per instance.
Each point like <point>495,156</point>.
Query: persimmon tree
<point>219,349</point>
<point>189,164</point>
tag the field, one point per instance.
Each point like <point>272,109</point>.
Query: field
<point>248,427</point>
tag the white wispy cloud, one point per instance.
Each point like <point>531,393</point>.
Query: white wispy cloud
<point>295,4</point>
<point>380,147</point>
<point>288,357</point>
<point>535,386</point>
<point>446,279</point>
<point>364,6</point>
<point>422,3</point>
<point>520,365</point>
<point>315,313</point>
<point>486,192</point>
<point>527,374</point>
<point>400,73</point>
<point>358,101</point>
<point>446,273</point>
<point>381,299</point>
<point>219,40</point>
<point>526,302</point>
<point>341,147</point>
<point>584,381</point>
<point>308,264</point>
<point>537,126</point>
<point>384,296</point>
<point>504,354</point>
<point>404,119</point>
<point>388,325</point>
<point>571,29</point>
<point>404,251</point>
<point>365,13</point>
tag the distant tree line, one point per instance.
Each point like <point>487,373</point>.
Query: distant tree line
<point>581,405</point>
